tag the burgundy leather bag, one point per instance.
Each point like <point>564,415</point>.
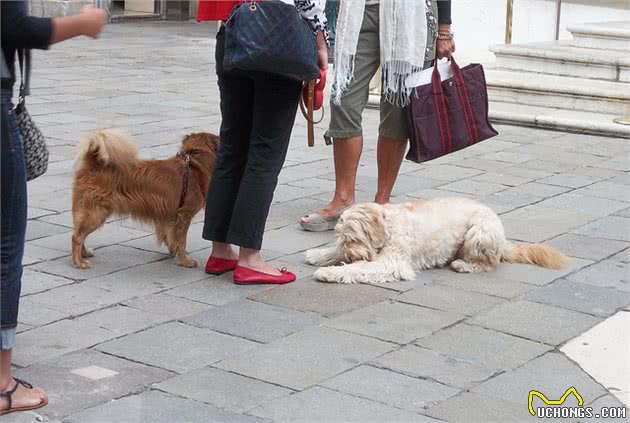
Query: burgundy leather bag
<point>446,116</point>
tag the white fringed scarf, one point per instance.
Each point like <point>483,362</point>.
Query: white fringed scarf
<point>403,39</point>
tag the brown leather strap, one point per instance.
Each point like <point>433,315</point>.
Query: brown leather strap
<point>307,112</point>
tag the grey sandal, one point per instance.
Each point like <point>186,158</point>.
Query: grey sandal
<point>315,222</point>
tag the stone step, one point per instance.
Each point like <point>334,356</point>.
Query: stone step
<point>560,58</point>
<point>559,92</point>
<point>558,119</point>
<point>602,35</point>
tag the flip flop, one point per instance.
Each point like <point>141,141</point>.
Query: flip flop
<point>315,222</point>
<point>9,396</point>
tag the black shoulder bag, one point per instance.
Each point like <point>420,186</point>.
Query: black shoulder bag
<point>35,149</point>
<point>270,37</point>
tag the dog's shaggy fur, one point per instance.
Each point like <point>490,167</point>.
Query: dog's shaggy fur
<point>379,244</point>
<point>112,180</point>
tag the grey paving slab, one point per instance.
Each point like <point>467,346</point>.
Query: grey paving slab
<point>508,200</point>
<point>472,407</point>
<point>481,164</point>
<point>587,247</point>
<point>287,214</point>
<point>537,224</point>
<point>109,234</point>
<point>542,374</point>
<point>34,314</point>
<point>86,378</point>
<point>568,180</point>
<point>42,253</point>
<point>215,290</point>
<point>157,407</point>
<point>623,213</point>
<point>56,339</point>
<point>623,256</point>
<point>611,227</point>
<point>34,281</point>
<point>536,275</point>
<point>121,319</point>
<point>423,363</point>
<point>606,189</point>
<point>167,306</point>
<point>449,299</point>
<point>36,229</point>
<point>253,320</point>
<point>535,188</point>
<point>394,322</point>
<point>587,204</point>
<point>391,388</point>
<point>146,279</point>
<point>292,239</point>
<point>324,352</point>
<point>322,298</point>
<point>607,274</point>
<point>485,283</point>
<point>483,348</point>
<point>324,405</point>
<point>105,261</point>
<point>539,322</point>
<point>581,297</point>
<point>229,391</point>
<point>163,346</point>
<point>503,178</point>
<point>446,172</point>
<point>474,187</point>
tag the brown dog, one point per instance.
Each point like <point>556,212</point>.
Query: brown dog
<point>112,180</point>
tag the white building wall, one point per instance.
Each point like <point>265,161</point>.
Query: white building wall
<point>481,23</point>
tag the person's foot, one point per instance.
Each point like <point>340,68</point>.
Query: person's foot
<point>334,206</point>
<point>223,251</point>
<point>326,218</point>
<point>25,397</point>
<point>259,265</point>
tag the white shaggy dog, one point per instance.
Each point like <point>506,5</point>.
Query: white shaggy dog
<point>379,244</point>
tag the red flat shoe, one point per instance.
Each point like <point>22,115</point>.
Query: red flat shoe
<point>247,276</point>
<point>218,266</point>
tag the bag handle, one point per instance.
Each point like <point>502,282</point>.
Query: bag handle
<point>24,59</point>
<point>462,92</point>
<point>307,106</point>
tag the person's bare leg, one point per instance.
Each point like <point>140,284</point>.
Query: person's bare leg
<point>223,250</point>
<point>389,156</point>
<point>347,152</point>
<point>22,397</point>
<point>252,259</point>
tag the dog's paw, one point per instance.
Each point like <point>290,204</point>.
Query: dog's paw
<point>83,264</point>
<point>326,274</point>
<point>87,253</point>
<point>189,263</point>
<point>460,266</point>
<point>312,257</point>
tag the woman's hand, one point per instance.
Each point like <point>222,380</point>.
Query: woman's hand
<point>322,51</point>
<point>93,20</point>
<point>445,45</point>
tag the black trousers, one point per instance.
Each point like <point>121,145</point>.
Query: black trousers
<point>258,112</point>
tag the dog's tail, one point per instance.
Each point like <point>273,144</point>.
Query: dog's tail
<point>539,254</point>
<point>107,147</point>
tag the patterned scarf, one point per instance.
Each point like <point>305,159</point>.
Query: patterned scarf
<point>403,39</point>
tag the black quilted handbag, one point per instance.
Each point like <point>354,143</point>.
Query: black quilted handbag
<point>270,37</point>
<point>35,149</point>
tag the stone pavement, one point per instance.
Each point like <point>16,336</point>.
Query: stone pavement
<point>138,339</point>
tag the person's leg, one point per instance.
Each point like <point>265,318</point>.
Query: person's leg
<point>275,106</point>
<point>12,233</point>
<point>392,144</point>
<point>389,156</point>
<point>236,93</point>
<point>345,123</point>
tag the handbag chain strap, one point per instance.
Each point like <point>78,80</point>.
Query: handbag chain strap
<point>24,59</point>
